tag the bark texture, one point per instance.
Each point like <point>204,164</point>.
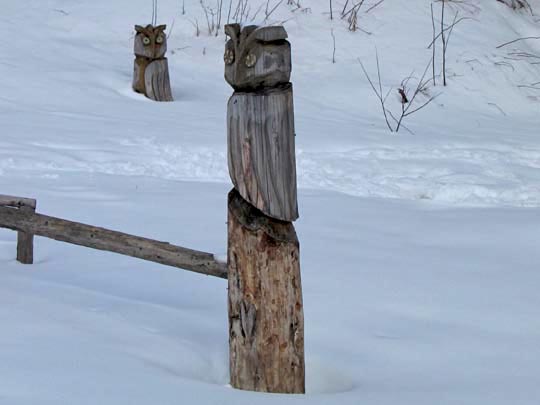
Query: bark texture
<point>266,322</point>
<point>261,150</point>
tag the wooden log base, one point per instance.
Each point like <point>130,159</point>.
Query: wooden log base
<point>266,321</point>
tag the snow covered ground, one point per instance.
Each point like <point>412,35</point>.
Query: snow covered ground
<point>419,251</point>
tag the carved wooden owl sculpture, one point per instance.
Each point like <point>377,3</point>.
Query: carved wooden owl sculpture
<point>260,119</point>
<point>151,70</point>
<point>256,57</point>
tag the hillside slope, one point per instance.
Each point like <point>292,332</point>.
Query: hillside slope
<point>419,249</point>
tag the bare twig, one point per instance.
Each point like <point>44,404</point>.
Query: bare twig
<point>516,40</point>
<point>433,48</point>
<point>524,86</point>
<point>443,40</point>
<point>450,27</point>
<point>154,12</point>
<point>196,26</point>
<point>378,92</point>
<point>518,4</point>
<point>344,8</point>
<point>220,8</point>
<point>229,13</point>
<point>373,7</point>
<point>407,99</point>
<point>269,13</point>
<point>445,35</point>
<point>406,111</point>
<point>498,108</point>
<point>171,29</point>
<point>334,51</point>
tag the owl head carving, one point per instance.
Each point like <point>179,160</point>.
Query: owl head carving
<point>256,57</point>
<point>150,41</point>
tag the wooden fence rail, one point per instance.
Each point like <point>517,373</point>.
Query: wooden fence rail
<point>19,215</point>
<point>17,202</point>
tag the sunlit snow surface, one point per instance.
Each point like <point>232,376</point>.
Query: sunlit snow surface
<point>420,256</point>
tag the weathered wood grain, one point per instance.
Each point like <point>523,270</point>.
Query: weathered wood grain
<point>257,57</point>
<point>151,69</point>
<point>271,34</point>
<point>139,67</point>
<point>112,241</point>
<point>157,82</point>
<point>11,201</point>
<point>25,241</point>
<point>266,322</point>
<point>261,150</point>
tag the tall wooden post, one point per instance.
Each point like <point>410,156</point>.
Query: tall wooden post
<point>266,321</point>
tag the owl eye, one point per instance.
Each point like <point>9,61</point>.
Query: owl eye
<point>250,61</point>
<point>146,41</point>
<point>229,57</point>
<point>159,39</point>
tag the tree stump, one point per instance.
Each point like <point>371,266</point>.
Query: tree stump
<point>266,321</point>
<point>151,70</point>
<point>266,328</point>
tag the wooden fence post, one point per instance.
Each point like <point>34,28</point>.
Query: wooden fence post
<point>266,322</point>
<point>25,242</point>
<point>151,70</point>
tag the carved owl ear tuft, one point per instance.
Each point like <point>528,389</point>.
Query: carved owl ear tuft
<point>246,33</point>
<point>232,30</point>
<point>161,27</point>
<point>139,29</point>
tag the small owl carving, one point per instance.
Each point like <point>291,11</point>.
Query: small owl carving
<point>151,70</point>
<point>256,57</point>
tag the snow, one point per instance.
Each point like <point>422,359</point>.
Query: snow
<point>419,251</point>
